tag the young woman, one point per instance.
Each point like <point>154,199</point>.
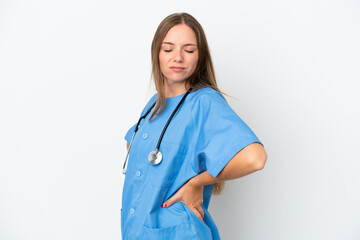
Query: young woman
<point>187,143</point>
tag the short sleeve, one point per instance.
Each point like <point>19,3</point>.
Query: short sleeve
<point>130,132</point>
<point>221,133</point>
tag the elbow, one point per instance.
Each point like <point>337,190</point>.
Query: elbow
<point>258,159</point>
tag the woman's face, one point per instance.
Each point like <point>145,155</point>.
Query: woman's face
<point>178,55</point>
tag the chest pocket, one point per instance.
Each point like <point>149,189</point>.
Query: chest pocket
<point>173,163</point>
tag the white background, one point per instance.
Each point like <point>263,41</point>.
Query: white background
<point>75,75</point>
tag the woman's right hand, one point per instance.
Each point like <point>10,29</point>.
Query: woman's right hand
<point>191,195</point>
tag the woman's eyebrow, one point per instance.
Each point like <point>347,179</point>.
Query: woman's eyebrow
<point>188,44</point>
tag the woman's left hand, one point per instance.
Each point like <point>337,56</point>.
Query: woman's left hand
<point>191,195</point>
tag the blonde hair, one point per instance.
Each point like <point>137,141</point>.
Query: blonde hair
<point>204,72</point>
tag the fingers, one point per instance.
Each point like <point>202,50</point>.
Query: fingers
<point>170,201</point>
<point>199,213</point>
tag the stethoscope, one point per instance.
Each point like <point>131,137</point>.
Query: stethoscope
<point>155,157</point>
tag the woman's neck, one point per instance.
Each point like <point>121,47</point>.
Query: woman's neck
<point>174,89</point>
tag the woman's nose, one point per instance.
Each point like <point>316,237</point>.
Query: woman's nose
<point>178,56</point>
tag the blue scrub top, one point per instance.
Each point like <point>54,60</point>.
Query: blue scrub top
<point>204,134</point>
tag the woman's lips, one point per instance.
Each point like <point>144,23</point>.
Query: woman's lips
<point>177,69</point>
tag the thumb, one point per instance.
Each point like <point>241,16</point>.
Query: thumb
<point>170,201</point>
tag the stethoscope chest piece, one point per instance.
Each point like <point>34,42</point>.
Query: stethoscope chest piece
<point>155,157</point>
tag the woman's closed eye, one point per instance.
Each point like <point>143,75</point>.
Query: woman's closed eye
<point>170,50</point>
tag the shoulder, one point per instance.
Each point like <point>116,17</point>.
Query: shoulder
<point>153,98</point>
<point>208,103</point>
<point>207,95</point>
<point>149,103</point>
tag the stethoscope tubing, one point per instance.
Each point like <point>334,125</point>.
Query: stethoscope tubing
<point>168,121</point>
<point>132,138</point>
<point>162,133</point>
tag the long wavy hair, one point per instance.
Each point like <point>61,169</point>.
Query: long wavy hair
<point>204,72</point>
